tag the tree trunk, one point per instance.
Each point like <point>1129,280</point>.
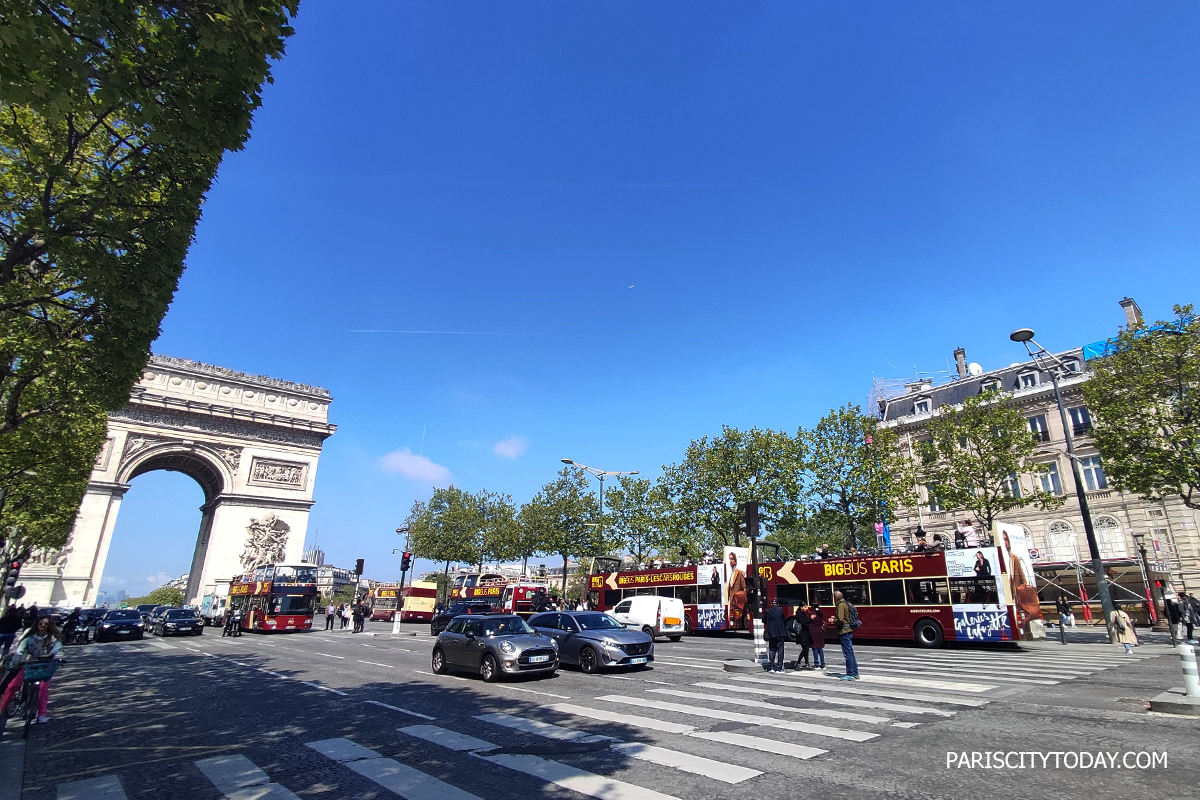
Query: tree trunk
<point>524,566</point>
<point>446,572</point>
<point>564,586</point>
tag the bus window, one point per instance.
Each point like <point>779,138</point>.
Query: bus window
<point>644,591</point>
<point>927,591</point>
<point>293,603</point>
<point>666,591</point>
<point>820,594</point>
<point>687,594</point>
<point>854,591</point>
<point>792,594</point>
<point>974,590</point>
<point>611,598</point>
<point>887,593</point>
<point>707,594</point>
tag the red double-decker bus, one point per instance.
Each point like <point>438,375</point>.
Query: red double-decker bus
<point>384,602</point>
<point>276,597</point>
<point>930,598</point>
<point>418,601</point>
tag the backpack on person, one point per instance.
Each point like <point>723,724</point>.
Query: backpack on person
<point>1119,623</point>
<point>855,622</point>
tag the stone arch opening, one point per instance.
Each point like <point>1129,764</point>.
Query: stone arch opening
<point>196,464</point>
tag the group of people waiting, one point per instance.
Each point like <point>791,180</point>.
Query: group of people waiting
<point>810,635</point>
<point>36,638</point>
<point>355,614</point>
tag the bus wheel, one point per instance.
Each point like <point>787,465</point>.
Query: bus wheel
<point>439,661</point>
<point>928,633</point>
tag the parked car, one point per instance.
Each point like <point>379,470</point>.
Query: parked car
<point>493,646</point>
<point>144,611</point>
<point>657,616</point>
<point>442,619</point>
<point>593,639</point>
<point>178,621</point>
<point>122,623</point>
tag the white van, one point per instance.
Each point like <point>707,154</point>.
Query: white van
<point>657,616</point>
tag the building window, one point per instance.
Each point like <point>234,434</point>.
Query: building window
<point>1028,380</point>
<point>1110,538</point>
<point>1081,420</point>
<point>1012,486</point>
<point>921,407</point>
<point>1050,480</point>
<point>1093,473</point>
<point>992,385</point>
<point>1062,542</point>
<point>1071,365</point>
<point>1037,426</point>
<point>935,504</point>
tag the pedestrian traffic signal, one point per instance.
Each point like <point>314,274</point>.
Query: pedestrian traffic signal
<point>405,562</point>
<point>750,518</point>
<point>358,567</point>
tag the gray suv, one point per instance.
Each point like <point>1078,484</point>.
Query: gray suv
<point>494,645</point>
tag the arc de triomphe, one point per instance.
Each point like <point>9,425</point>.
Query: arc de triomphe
<point>251,442</point>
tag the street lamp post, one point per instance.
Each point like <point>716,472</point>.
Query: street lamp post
<point>1056,368</point>
<point>601,474</point>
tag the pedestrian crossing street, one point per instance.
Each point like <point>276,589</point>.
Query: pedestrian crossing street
<point>647,739</point>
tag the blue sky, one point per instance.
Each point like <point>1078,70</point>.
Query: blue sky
<point>656,218</point>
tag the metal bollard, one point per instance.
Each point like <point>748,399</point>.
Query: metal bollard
<point>1191,679</point>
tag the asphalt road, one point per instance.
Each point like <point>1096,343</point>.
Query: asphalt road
<point>335,715</point>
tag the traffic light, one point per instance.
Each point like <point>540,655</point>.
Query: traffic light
<point>405,561</point>
<point>358,567</point>
<point>10,580</point>
<point>750,518</point>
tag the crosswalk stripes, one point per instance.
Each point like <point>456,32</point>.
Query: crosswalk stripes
<point>236,777</point>
<point>685,762</point>
<point>408,782</point>
<point>823,683</point>
<point>750,719</point>
<point>564,775</point>
<point>879,671</point>
<point>824,698</point>
<point>1064,672</point>
<point>107,787</point>
<point>603,715</point>
<point>747,703</point>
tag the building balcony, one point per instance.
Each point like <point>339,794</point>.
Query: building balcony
<point>1040,436</point>
<point>1082,429</point>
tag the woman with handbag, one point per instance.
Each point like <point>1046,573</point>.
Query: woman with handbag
<point>1123,629</point>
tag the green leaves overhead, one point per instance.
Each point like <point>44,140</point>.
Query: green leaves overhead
<point>972,454</point>
<point>1144,396</point>
<point>114,117</point>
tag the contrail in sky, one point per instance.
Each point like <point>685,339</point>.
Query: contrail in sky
<point>444,333</point>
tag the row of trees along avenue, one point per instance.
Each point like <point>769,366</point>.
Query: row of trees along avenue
<point>114,117</point>
<point>832,483</point>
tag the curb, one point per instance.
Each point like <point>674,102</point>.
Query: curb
<point>1174,701</point>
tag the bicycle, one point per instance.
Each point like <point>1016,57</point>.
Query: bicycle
<point>25,704</point>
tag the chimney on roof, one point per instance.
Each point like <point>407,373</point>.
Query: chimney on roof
<point>960,361</point>
<point>1133,314</point>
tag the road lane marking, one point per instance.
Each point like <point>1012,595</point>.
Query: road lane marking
<point>578,780</point>
<point>535,691</point>
<point>375,664</point>
<point>741,701</point>
<point>276,674</point>
<point>685,762</point>
<point>452,677</point>
<point>843,687</point>
<point>161,645</point>
<point>236,776</point>
<point>401,710</point>
<point>401,779</point>
<point>758,743</point>
<point>327,655</point>
<point>449,739</point>
<point>751,719</point>
<point>324,688</point>
<point>544,729</point>
<point>107,787</point>
<point>602,715</point>
<point>821,698</point>
<point>658,660</point>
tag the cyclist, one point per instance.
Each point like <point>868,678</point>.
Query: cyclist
<point>39,642</point>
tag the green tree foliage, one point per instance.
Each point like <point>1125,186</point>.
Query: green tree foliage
<point>162,596</point>
<point>499,533</point>
<point>446,527</point>
<point>718,474</point>
<point>853,464</point>
<point>113,119</point>
<point>638,516</point>
<point>559,514</point>
<point>1144,396</point>
<point>972,453</point>
<point>808,534</point>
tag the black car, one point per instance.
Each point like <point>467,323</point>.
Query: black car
<point>177,621</point>
<point>144,610</point>
<point>122,623</point>
<point>442,619</point>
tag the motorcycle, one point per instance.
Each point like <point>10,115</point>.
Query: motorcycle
<point>233,625</point>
